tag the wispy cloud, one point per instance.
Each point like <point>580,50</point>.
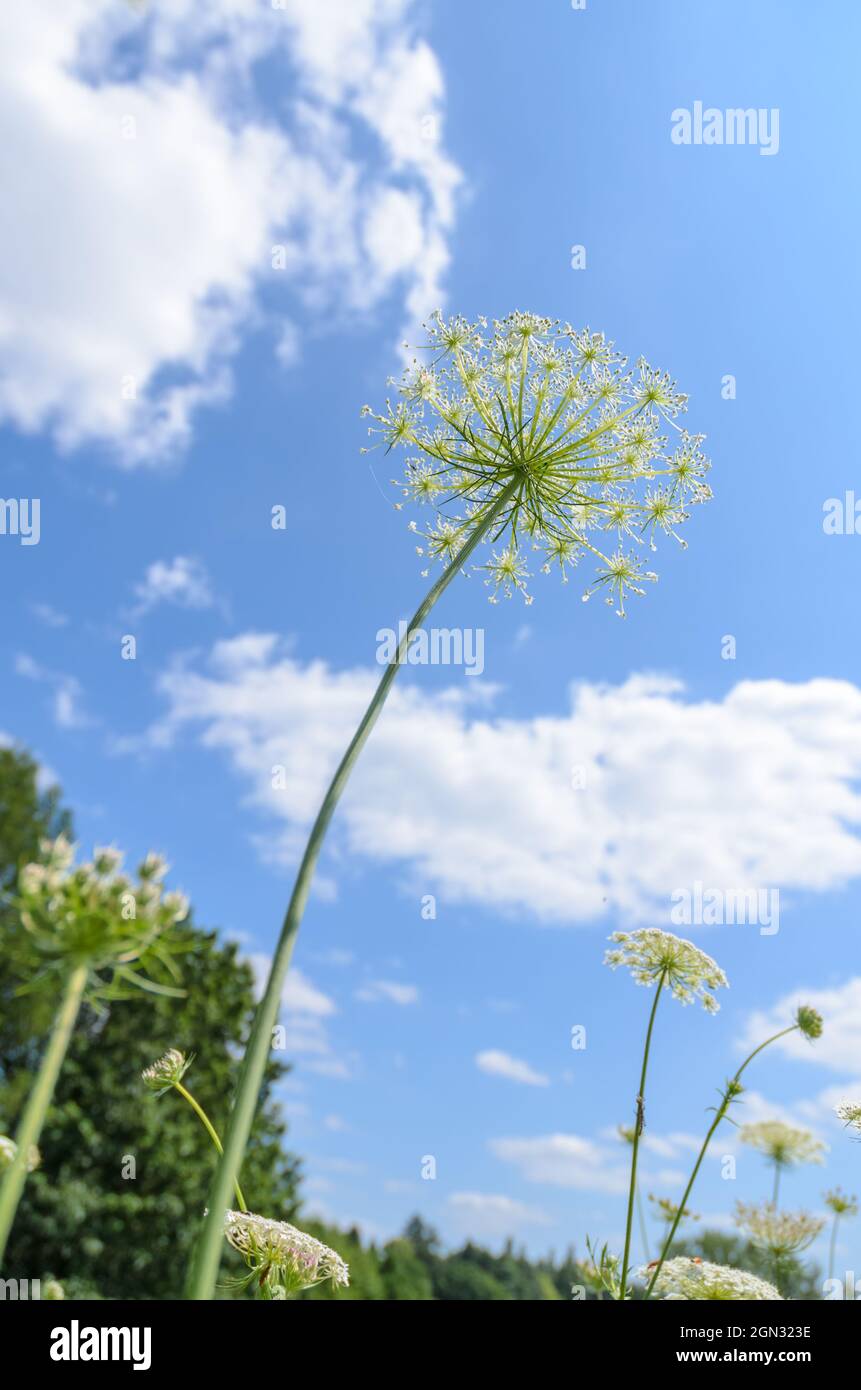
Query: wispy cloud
<point>67,696</point>
<point>502,1064</point>
<point>388,991</point>
<point>182,581</point>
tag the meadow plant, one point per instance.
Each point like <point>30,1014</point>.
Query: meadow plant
<point>657,958</point>
<point>693,1279</point>
<point>92,934</point>
<point>535,439</point>
<point>782,1234</point>
<point>807,1022</point>
<point>849,1111</point>
<point>840,1205</point>
<point>783,1146</point>
<point>281,1259</point>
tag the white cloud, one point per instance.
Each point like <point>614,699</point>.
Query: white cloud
<point>564,1160</point>
<point>182,581</point>
<point>151,179</point>
<point>840,1044</point>
<point>491,1214</point>
<point>47,614</point>
<point>511,1068</point>
<point>755,789</point>
<point>67,697</point>
<point>390,991</point>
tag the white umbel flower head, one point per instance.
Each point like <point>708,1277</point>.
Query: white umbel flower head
<point>782,1233</point>
<point>684,1278</point>
<point>783,1144</point>
<point>286,1259</point>
<point>541,437</point>
<point>849,1111</point>
<point>652,955</point>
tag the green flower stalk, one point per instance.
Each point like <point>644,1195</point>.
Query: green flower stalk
<point>93,935</point>
<point>527,435</point>
<point>840,1205</point>
<point>658,958</point>
<point>166,1075</point>
<point>783,1146</point>
<point>807,1022</point>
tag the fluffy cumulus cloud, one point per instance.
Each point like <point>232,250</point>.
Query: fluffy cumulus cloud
<point>182,581</point>
<point>152,185</point>
<point>755,790</point>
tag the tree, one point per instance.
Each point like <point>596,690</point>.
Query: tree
<point>115,1206</point>
<point>405,1274</point>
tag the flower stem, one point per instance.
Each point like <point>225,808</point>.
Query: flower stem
<point>205,1259</point>
<point>776,1189</point>
<point>731,1091</point>
<point>211,1131</point>
<point>644,1233</point>
<point>33,1118</point>
<point>832,1246</point>
<point>638,1125</point>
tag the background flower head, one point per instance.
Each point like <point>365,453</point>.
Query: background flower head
<point>783,1144</point>
<point>690,1278</point>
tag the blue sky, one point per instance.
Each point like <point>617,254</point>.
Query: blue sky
<point>163,387</point>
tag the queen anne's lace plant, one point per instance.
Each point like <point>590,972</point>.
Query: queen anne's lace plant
<point>668,1211</point>
<point>840,1202</point>
<point>282,1259</point>
<point>849,1111</point>
<point>653,956</point>
<point>782,1144</point>
<point>535,440</point>
<point>693,1279</point>
<point>781,1233</point>
<point>95,915</point>
<point>545,430</point>
<point>93,933</point>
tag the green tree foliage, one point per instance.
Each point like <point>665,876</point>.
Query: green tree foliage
<point>115,1205</point>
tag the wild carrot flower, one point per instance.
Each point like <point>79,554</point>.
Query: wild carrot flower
<point>669,1212</point>
<point>652,955</point>
<point>93,914</point>
<point>521,435</point>
<point>782,1144</point>
<point>93,933</point>
<point>166,1072</point>
<point>551,424</point>
<point>849,1111</point>
<point>658,958</point>
<point>781,1233</point>
<point>840,1205</point>
<point>808,1022</point>
<point>281,1258</point>
<point>687,1278</point>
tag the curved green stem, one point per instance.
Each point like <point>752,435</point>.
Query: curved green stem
<point>33,1118</point>
<point>211,1131</point>
<point>638,1126</point>
<point>731,1091</point>
<point>205,1260</point>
